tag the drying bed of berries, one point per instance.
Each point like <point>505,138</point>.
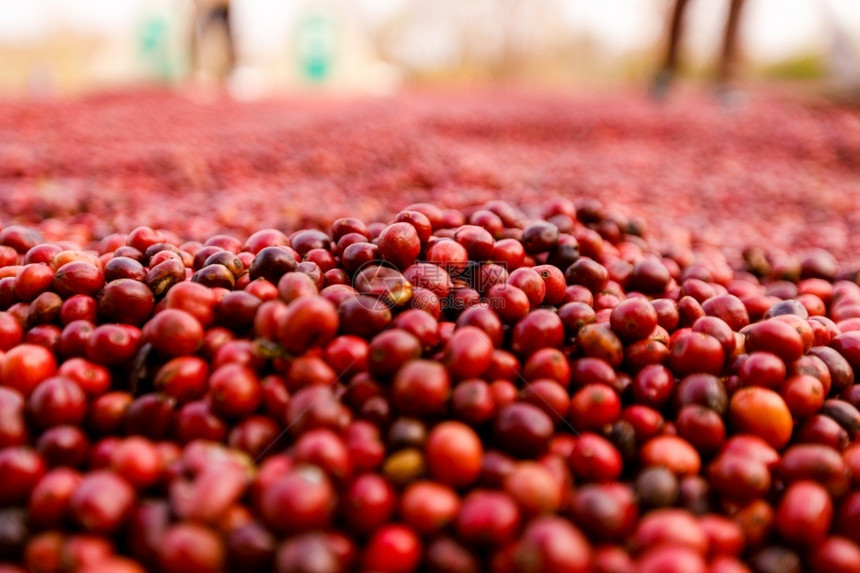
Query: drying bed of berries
<point>445,390</point>
<point>773,172</point>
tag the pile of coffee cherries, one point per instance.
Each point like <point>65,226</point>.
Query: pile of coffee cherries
<point>446,391</point>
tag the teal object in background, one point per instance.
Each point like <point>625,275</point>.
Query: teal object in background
<point>154,48</point>
<point>316,39</point>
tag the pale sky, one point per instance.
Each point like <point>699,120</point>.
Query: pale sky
<point>771,29</point>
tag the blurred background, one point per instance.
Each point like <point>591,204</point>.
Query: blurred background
<point>200,116</point>
<point>50,47</point>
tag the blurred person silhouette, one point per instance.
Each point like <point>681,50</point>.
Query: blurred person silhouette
<point>669,69</point>
<point>213,52</point>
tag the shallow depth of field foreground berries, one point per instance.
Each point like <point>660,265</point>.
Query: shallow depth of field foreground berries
<point>444,334</point>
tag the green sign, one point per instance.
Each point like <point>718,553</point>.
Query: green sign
<point>315,36</point>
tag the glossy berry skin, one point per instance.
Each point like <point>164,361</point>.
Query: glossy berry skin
<point>702,427</point>
<point>739,478</point>
<point>399,244</point>
<point>184,378</point>
<point>57,400</point>
<point>816,462</point>
<point>102,502</point>
<point>718,329</point>
<point>126,300</point>
<point>472,402</point>
<point>326,450</point>
<point>447,554</point>
<point>653,386</point>
<point>509,302</point>
<point>633,319</point>
<point>112,344</point>
<point>49,501</point>
<point>25,366</point>
<point>598,341</point>
<point>32,280</point>
<point>539,329</point>
<point>11,332</point>
<point>429,506</point>
<point>548,396</point>
<point>449,255</point>
<point>668,559</point>
<point>588,273</point>
<point>63,446</point>
<point>487,518</point>
<point>803,395</point>
<point>805,513</point>
<point>553,544</point>
<point>696,352</point>
<point>595,459</point>
<point>422,325</point>
<point>309,551</point>
<point>391,350</point>
<point>547,363</point>
<point>453,452</point>
<point>477,241</point>
<point>308,322</point>
<point>530,282</point>
<point>523,429</point>
<point>777,337</point>
<point>393,548</point>
<point>607,511</point>
<point>368,502</point>
<point>421,388</point>
<point>150,415</point>
<point>301,499</point>
<point>484,319</point>
<point>431,277</point>
<point>418,220</point>
<point>594,406</point>
<point>671,452</point>
<point>836,554</point>
<point>174,333</point>
<point>190,547</point>
<point>22,468</point>
<point>195,299</point>
<point>539,237</point>
<point>762,369</point>
<point>535,488</point>
<point>468,353</point>
<point>235,391</point>
<point>92,378</point>
<point>670,526</point>
<point>136,460</point>
<point>763,413</point>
